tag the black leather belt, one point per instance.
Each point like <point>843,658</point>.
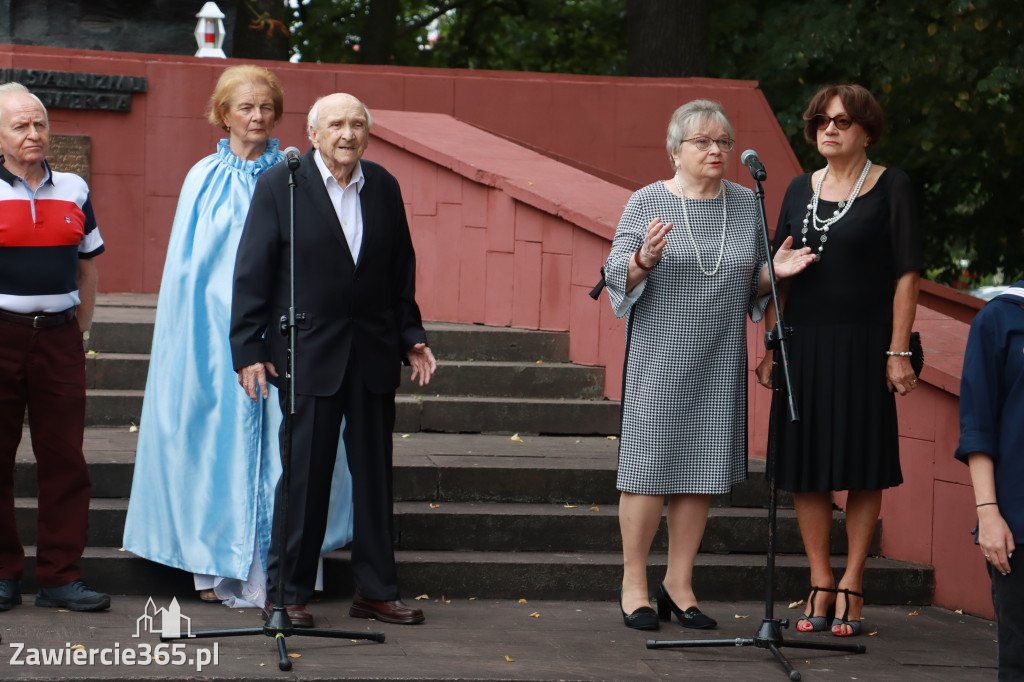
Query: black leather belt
<point>39,320</point>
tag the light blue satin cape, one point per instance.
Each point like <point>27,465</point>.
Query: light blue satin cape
<point>208,457</point>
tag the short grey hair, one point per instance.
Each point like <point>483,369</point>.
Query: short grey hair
<point>689,117</point>
<point>13,88</point>
<point>313,118</point>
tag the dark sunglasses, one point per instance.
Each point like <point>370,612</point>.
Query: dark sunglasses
<point>842,121</point>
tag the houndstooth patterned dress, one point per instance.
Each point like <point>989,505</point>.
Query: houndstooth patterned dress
<point>684,403</point>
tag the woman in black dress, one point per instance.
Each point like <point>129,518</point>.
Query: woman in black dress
<point>851,312</point>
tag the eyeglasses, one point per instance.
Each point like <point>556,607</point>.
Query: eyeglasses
<point>704,143</point>
<point>842,121</point>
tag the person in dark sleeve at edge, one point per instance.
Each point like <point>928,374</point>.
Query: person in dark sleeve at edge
<point>992,445</point>
<point>48,239</point>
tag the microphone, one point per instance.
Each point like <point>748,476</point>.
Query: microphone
<point>754,165</point>
<point>292,154</point>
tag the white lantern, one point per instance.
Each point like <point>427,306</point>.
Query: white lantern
<point>210,31</point>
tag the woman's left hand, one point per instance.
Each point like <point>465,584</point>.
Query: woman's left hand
<point>789,261</point>
<point>899,375</point>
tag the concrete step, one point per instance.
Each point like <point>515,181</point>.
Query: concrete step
<point>437,467</point>
<point>129,329</point>
<point>427,412</point>
<point>507,527</point>
<point>498,527</point>
<point>582,576</point>
<point>127,371</point>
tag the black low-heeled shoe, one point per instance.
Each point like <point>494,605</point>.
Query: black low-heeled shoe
<point>644,618</point>
<point>690,618</point>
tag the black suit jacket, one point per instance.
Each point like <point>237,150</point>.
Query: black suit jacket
<point>359,317</point>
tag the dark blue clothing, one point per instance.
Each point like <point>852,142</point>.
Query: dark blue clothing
<point>1008,600</point>
<point>992,400</point>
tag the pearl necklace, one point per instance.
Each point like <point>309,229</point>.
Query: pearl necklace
<point>844,206</point>
<point>686,221</point>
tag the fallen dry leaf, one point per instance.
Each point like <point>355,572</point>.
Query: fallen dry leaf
<point>294,655</point>
<point>434,506</point>
<point>569,506</point>
<point>540,362</point>
<point>78,646</point>
<point>872,634</point>
<point>515,437</point>
<point>795,604</point>
<point>91,352</point>
<point>509,659</point>
<point>446,601</point>
<point>472,599</point>
<point>535,614</point>
<point>523,601</point>
<point>959,612</point>
<point>595,509</point>
<point>913,613</point>
<point>405,435</point>
<point>612,438</point>
<point>422,597</point>
<point>133,428</point>
<point>739,616</point>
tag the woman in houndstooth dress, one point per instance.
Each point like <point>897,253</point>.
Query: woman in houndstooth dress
<point>687,265</point>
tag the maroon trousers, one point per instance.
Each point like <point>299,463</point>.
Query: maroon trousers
<point>44,370</point>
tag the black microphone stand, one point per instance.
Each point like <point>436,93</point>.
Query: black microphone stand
<point>769,635</point>
<point>278,625</point>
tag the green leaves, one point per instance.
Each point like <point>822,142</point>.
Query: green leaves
<point>949,76</point>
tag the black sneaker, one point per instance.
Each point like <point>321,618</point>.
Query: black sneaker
<point>76,596</point>
<point>10,594</point>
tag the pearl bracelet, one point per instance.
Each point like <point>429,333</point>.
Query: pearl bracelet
<point>902,354</point>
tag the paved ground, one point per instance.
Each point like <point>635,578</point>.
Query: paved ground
<point>498,640</point>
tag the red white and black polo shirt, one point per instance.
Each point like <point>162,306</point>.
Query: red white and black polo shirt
<point>43,234</point>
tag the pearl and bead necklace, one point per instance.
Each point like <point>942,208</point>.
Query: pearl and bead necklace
<point>823,226</point>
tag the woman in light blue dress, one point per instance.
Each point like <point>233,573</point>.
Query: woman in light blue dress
<point>208,457</point>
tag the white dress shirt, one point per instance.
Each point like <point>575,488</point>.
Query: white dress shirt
<point>346,204</point>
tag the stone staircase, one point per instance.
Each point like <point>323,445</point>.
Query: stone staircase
<point>477,513</point>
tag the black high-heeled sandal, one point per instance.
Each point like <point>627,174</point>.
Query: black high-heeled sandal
<point>817,623</point>
<point>855,625</point>
<point>644,618</point>
<point>690,618</point>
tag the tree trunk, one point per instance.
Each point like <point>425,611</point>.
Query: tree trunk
<point>667,37</point>
<point>260,27</point>
<point>378,43</point>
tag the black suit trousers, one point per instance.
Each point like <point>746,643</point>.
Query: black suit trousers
<point>370,420</point>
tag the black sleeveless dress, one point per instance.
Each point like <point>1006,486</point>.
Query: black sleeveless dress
<point>840,310</point>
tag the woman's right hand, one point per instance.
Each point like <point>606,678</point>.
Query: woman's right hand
<point>763,372</point>
<point>654,243</point>
<point>995,538</point>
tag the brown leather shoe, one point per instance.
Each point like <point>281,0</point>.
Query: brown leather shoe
<point>297,614</point>
<point>395,611</point>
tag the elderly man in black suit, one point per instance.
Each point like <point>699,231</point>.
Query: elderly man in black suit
<point>355,274</point>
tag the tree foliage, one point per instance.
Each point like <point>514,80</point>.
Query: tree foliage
<point>562,36</point>
<point>949,76</point>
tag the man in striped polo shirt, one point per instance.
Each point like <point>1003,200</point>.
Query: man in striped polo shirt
<point>48,238</point>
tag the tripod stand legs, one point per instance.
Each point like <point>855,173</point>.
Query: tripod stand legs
<point>280,628</point>
<point>769,637</point>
